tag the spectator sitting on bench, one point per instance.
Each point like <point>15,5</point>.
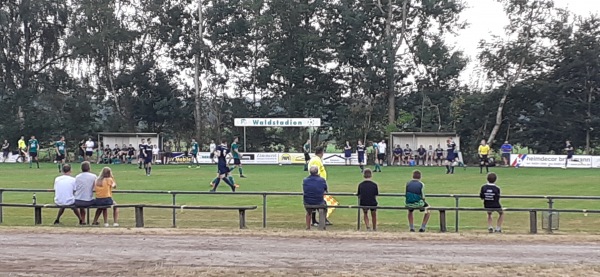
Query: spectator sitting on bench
<point>314,188</point>
<point>64,187</point>
<point>84,190</point>
<point>367,193</point>
<point>415,199</point>
<point>103,188</point>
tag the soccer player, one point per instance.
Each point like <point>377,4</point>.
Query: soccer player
<point>439,155</point>
<point>397,155</point>
<point>168,153</point>
<point>430,155</point>
<point>360,153</point>
<point>415,199</point>
<point>32,149</point>
<point>228,176</point>
<point>490,194</point>
<point>5,150</point>
<point>570,152</point>
<point>376,151</point>
<point>237,162</point>
<point>506,149</point>
<point>367,194</point>
<point>61,148</point>
<point>306,148</point>
<point>194,148</point>
<point>450,156</point>
<point>89,149</point>
<point>22,149</point>
<point>222,153</point>
<point>212,148</point>
<point>484,151</point>
<point>421,154</point>
<point>141,153</point>
<point>148,158</point>
<point>317,161</point>
<point>407,154</point>
<point>381,148</point>
<point>348,153</point>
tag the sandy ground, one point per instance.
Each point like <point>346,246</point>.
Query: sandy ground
<point>164,252</point>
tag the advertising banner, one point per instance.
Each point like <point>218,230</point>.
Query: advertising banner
<point>556,161</point>
<point>595,161</point>
<point>277,122</point>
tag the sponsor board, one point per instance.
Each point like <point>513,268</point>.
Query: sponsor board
<point>595,161</point>
<point>556,161</point>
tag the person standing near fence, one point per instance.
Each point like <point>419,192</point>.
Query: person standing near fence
<point>5,150</point>
<point>570,152</point>
<point>360,153</point>
<point>415,199</point>
<point>314,188</point>
<point>506,150</point>
<point>347,153</point>
<point>306,149</point>
<point>367,195</point>
<point>490,194</point>
<point>61,150</point>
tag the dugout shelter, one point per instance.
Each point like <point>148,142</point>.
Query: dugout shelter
<point>127,138</point>
<point>415,139</point>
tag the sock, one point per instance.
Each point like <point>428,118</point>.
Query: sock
<point>217,181</point>
<point>447,169</point>
<point>149,169</point>
<point>362,167</point>
<point>30,163</point>
<point>37,163</point>
<point>487,169</point>
<point>240,170</point>
<point>423,226</point>
<point>59,166</point>
<point>305,167</point>
<point>314,217</point>
<point>452,169</point>
<point>231,179</point>
<point>481,169</point>
<point>229,184</point>
<point>412,226</point>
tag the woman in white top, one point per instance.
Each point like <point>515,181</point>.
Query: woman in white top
<point>154,153</point>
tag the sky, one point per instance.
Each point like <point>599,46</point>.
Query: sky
<point>487,18</point>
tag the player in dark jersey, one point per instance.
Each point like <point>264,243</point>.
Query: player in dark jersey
<point>450,156</point>
<point>570,152</point>
<point>306,148</point>
<point>5,150</point>
<point>148,157</point>
<point>360,153</point>
<point>490,194</point>
<point>61,149</point>
<point>194,149</point>
<point>130,153</point>
<point>439,155</point>
<point>222,153</point>
<point>116,154</point>
<point>141,151</point>
<point>348,153</point>
<point>408,154</point>
<point>33,148</point>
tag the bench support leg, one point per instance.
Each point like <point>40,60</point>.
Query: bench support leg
<point>443,228</point>
<point>139,216</point>
<point>37,212</point>
<point>533,222</point>
<point>242,219</point>
<point>322,218</point>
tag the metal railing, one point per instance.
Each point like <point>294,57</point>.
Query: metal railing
<point>457,197</point>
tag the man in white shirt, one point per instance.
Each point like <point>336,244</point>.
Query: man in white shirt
<point>64,187</point>
<point>381,147</point>
<point>84,190</point>
<point>89,149</point>
<point>212,148</point>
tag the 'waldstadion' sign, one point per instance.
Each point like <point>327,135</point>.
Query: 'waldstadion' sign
<point>277,122</point>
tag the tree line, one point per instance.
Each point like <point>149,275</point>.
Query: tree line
<point>186,68</point>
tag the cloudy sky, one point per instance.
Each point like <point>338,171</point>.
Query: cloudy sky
<point>486,17</point>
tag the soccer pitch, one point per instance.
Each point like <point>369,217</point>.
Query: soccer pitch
<point>286,212</point>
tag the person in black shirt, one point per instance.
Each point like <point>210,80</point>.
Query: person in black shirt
<point>407,155</point>
<point>439,155</point>
<point>570,152</point>
<point>490,194</point>
<point>421,154</point>
<point>367,193</point>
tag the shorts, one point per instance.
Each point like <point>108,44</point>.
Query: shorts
<point>361,158</point>
<point>84,204</point>
<point>212,155</point>
<point>89,153</point>
<point>236,161</point>
<point>311,210</point>
<point>439,157</point>
<point>148,159</point>
<point>60,157</point>
<point>347,155</point>
<point>421,209</point>
<point>484,159</point>
<point>5,153</point>
<point>450,157</point>
<point>506,156</point>
<point>141,156</point>
<point>569,156</point>
<point>497,209</point>
<point>369,205</point>
<point>381,156</point>
<point>306,157</point>
<point>33,154</point>
<point>104,201</point>
<point>223,169</point>
<point>366,210</point>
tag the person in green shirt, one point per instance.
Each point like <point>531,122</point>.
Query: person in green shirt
<point>235,149</point>
<point>194,148</point>
<point>61,151</point>
<point>376,150</point>
<point>33,147</point>
<point>306,149</point>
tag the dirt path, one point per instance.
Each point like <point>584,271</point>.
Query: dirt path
<point>67,254</point>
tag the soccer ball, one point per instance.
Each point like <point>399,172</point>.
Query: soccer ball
<point>280,164</point>
<point>189,166</point>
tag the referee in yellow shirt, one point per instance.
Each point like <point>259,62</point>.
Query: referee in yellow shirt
<point>22,149</point>
<point>317,161</point>
<point>484,151</point>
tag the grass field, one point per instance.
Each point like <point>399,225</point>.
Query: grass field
<point>286,212</point>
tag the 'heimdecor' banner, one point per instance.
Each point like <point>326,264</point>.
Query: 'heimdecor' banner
<point>556,161</point>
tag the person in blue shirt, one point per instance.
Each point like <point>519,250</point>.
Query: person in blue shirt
<point>360,153</point>
<point>314,188</point>
<point>506,149</point>
<point>450,156</point>
<point>348,153</point>
<point>397,155</point>
<point>222,153</point>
